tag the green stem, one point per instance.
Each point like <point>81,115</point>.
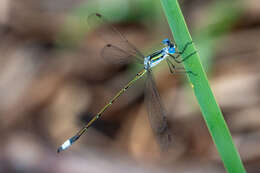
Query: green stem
<point>199,82</point>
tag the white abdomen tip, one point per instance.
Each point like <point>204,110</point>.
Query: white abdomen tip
<point>66,144</point>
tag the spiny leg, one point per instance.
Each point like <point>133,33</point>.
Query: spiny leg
<point>169,63</point>
<point>181,52</point>
<point>184,48</point>
<point>182,60</point>
<point>175,70</point>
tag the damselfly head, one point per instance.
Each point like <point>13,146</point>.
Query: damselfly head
<point>171,46</point>
<point>166,42</point>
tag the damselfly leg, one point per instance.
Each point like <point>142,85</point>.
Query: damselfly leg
<point>175,58</point>
<point>175,70</point>
<point>184,48</point>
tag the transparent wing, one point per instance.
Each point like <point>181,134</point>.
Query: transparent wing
<point>115,54</point>
<point>156,113</point>
<point>116,41</point>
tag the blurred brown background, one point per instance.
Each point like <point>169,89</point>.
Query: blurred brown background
<point>52,81</point>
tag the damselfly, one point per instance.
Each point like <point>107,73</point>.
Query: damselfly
<point>125,50</point>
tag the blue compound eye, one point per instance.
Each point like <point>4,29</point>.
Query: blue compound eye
<point>171,50</point>
<point>166,41</point>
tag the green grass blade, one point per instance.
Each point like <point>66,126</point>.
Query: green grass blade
<point>199,82</point>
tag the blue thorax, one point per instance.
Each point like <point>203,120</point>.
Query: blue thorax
<point>149,62</point>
